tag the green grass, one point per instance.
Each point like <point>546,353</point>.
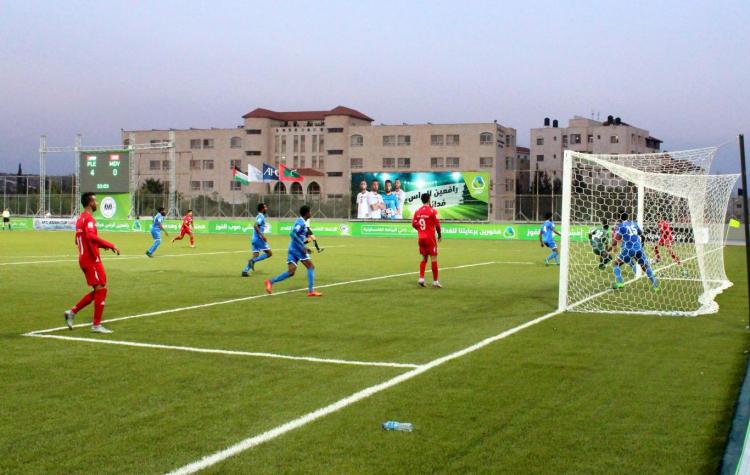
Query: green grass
<point>577,393</point>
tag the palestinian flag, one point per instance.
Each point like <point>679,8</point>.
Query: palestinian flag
<point>240,177</point>
<point>289,174</point>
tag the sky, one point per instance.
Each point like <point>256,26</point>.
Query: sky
<point>679,69</point>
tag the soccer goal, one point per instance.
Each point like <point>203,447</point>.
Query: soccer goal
<point>679,207</point>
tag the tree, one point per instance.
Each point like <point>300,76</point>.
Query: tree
<point>152,187</point>
<point>20,182</point>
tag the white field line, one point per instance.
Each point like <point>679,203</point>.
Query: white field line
<point>230,352</point>
<point>38,256</point>
<point>254,441</point>
<point>109,259</point>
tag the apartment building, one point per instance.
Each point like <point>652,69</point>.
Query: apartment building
<point>612,136</point>
<point>326,147</point>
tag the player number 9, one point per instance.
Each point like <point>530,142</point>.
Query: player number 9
<point>422,225</point>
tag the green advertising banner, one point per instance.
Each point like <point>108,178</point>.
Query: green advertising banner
<point>112,206</point>
<point>458,196</point>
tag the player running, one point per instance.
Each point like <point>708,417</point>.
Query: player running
<point>186,228</point>
<point>259,241</point>
<point>630,234</point>
<point>599,240</point>
<point>88,243</point>
<point>298,252</point>
<point>546,238</point>
<point>426,222</point>
<point>666,239</point>
<point>157,226</point>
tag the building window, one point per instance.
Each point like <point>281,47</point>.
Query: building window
<point>404,140</point>
<point>357,141</point>
<point>313,188</point>
<point>157,142</point>
<point>590,138</point>
<point>154,165</point>
<point>614,139</point>
<point>302,144</point>
<point>575,138</point>
<point>253,131</point>
<point>295,161</point>
<point>335,130</point>
<point>540,158</point>
<point>283,144</point>
<point>404,162</point>
<point>195,143</point>
<point>485,162</point>
<point>296,143</point>
<point>208,143</point>
<point>208,164</point>
<point>195,164</point>
<point>485,138</point>
<point>436,140</point>
<point>452,162</point>
<point>165,165</point>
<point>332,196</point>
<point>235,142</point>
<point>195,185</point>
<point>452,139</point>
<point>252,153</point>
<point>510,140</point>
<point>540,140</point>
<point>235,164</point>
<point>321,162</point>
<point>208,185</point>
<point>357,163</point>
<point>509,185</point>
<point>335,152</point>
<point>565,140</point>
<point>509,163</point>
<point>509,205</point>
<point>389,140</point>
<point>389,162</point>
<point>335,173</point>
<point>314,143</point>
<point>235,185</point>
<point>437,162</point>
<point>321,142</point>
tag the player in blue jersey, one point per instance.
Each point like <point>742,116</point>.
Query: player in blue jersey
<point>390,198</point>
<point>546,238</point>
<point>298,252</point>
<point>629,234</point>
<point>259,241</point>
<point>157,227</point>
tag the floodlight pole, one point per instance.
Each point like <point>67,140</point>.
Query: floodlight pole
<point>42,176</point>
<point>745,216</point>
<point>77,178</point>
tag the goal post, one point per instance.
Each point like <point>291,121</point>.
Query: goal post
<point>681,211</point>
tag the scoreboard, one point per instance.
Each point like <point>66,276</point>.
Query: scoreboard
<point>105,172</point>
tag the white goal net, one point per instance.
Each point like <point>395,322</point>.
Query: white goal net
<point>677,267</point>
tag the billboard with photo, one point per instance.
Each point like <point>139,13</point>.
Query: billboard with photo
<point>458,196</point>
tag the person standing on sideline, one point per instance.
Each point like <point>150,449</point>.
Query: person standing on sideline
<point>6,220</point>
<point>426,222</point>
<point>88,243</point>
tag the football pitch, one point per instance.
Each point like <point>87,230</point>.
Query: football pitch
<point>205,371</point>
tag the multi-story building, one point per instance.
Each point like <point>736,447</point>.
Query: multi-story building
<point>523,180</point>
<point>326,147</point>
<point>585,135</point>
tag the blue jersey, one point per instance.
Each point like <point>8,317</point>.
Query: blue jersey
<point>391,205</point>
<point>156,224</point>
<point>629,232</point>
<point>260,222</point>
<point>547,228</point>
<point>298,235</point>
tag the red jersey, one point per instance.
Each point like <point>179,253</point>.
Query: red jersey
<point>187,221</point>
<point>664,230</point>
<point>88,240</point>
<point>426,221</point>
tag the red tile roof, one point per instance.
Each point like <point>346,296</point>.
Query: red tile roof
<point>305,115</point>
<point>310,172</point>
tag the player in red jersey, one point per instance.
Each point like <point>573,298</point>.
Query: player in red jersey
<point>187,228</point>
<point>426,222</point>
<point>88,243</point>
<point>666,238</point>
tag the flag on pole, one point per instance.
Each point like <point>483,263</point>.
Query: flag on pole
<point>240,177</point>
<point>254,174</point>
<point>289,174</point>
<point>269,172</point>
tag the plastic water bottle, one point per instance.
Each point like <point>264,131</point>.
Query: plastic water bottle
<point>400,426</point>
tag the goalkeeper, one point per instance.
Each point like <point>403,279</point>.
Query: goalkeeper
<point>599,240</point>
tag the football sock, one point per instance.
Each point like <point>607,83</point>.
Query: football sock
<point>422,267</point>
<point>247,268</point>
<point>99,296</point>
<point>280,277</point>
<point>434,271</point>
<point>192,241</point>
<point>651,277</point>
<point>675,258</point>
<point>310,279</point>
<point>261,257</point>
<point>658,255</point>
<point>618,274</point>
<point>85,300</point>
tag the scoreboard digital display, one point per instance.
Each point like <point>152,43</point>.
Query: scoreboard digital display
<point>105,172</point>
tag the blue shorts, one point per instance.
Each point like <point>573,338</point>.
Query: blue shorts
<point>551,244</point>
<point>626,255</point>
<point>295,256</point>
<point>156,234</point>
<point>260,245</point>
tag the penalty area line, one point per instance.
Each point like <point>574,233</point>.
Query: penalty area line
<point>253,297</point>
<point>311,359</point>
<point>250,442</point>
